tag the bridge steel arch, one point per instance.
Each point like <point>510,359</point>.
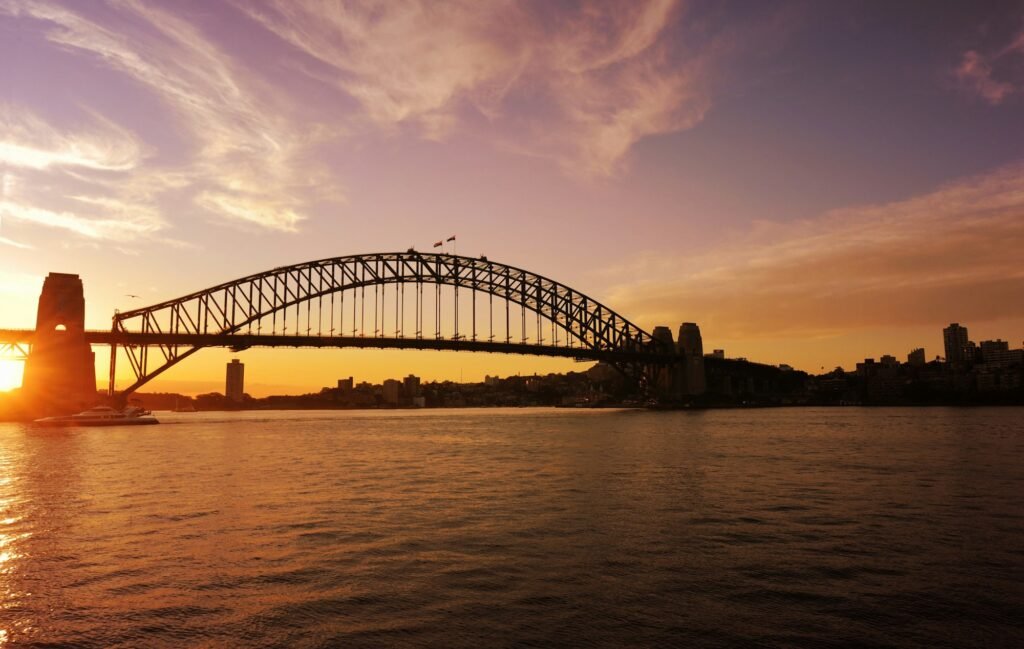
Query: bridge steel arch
<point>234,314</point>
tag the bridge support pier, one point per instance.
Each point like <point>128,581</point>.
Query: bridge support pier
<point>60,372</point>
<point>684,378</point>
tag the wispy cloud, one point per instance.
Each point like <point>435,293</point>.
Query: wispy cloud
<point>579,86</point>
<point>4,241</point>
<point>976,73</point>
<point>402,61</point>
<point>30,142</point>
<point>106,219</point>
<point>953,254</point>
<point>248,162</point>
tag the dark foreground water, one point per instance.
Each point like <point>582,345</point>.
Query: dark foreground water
<point>492,528</point>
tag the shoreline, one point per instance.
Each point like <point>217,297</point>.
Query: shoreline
<point>692,408</point>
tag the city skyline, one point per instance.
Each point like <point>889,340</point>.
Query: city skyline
<point>812,185</point>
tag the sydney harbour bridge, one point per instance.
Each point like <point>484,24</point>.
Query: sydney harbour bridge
<point>397,300</point>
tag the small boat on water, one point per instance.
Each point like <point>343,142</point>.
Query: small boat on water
<point>103,416</point>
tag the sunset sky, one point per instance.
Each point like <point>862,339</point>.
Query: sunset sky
<point>811,182</point>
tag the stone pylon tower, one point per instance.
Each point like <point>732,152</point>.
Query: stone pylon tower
<point>691,348</point>
<point>60,373</point>
<point>663,377</point>
<point>685,377</point>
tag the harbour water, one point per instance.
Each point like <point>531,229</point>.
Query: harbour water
<point>494,528</point>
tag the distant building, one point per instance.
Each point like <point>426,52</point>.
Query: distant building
<point>718,353</point>
<point>345,385</point>
<point>916,357</point>
<point>972,354</point>
<point>492,381</point>
<point>954,337</point>
<point>411,386</point>
<point>391,391</point>
<point>995,352</point>
<point>235,388</point>
<point>889,361</point>
<point>782,366</point>
<point>867,368</point>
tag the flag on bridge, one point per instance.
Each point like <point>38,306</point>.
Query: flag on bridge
<point>451,238</point>
<point>438,244</point>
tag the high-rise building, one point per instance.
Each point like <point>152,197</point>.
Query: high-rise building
<point>411,386</point>
<point>995,351</point>
<point>717,353</point>
<point>345,385</point>
<point>889,360</point>
<point>390,391</point>
<point>916,357</point>
<point>235,387</point>
<point>954,337</point>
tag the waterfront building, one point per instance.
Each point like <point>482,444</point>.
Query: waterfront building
<point>996,352</point>
<point>345,385</point>
<point>867,369</point>
<point>411,386</point>
<point>391,390</point>
<point>954,337</point>
<point>235,383</point>
<point>916,357</point>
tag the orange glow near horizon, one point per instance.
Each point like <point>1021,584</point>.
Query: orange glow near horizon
<point>10,374</point>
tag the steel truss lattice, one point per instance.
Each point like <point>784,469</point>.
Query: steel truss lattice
<point>238,313</point>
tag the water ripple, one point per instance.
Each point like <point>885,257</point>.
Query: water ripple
<point>524,528</point>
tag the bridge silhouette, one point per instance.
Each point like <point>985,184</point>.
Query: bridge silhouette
<point>396,300</point>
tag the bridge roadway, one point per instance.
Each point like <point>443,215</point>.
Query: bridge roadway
<point>245,341</point>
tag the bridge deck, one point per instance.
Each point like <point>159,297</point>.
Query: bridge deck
<point>245,341</point>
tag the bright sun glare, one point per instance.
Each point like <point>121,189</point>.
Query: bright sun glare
<point>10,374</point>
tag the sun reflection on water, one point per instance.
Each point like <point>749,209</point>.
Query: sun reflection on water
<point>10,555</point>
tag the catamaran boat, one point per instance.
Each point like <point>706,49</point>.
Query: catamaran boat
<point>103,416</point>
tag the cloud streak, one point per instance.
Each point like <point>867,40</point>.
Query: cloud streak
<point>248,163</point>
<point>4,241</point>
<point>953,254</point>
<point>580,87</point>
<point>29,142</point>
<point>976,73</point>
<point>100,219</point>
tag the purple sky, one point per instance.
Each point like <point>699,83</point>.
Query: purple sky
<point>811,182</point>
